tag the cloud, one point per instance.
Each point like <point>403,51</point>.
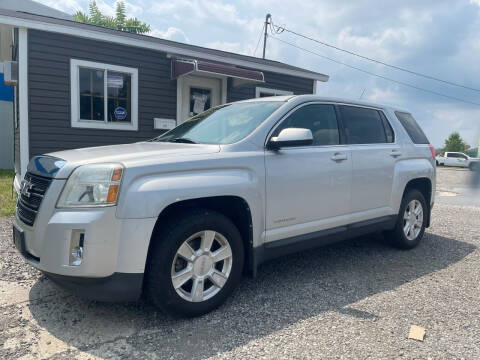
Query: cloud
<point>172,33</point>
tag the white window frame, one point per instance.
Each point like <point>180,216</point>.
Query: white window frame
<point>272,92</point>
<point>75,66</point>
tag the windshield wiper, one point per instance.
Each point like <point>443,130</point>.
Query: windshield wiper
<point>183,140</point>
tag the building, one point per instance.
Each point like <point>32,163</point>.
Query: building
<point>7,120</point>
<point>82,85</point>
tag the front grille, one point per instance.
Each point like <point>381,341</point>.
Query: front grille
<point>29,202</point>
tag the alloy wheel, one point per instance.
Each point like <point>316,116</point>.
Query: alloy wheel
<point>201,266</point>
<point>413,219</point>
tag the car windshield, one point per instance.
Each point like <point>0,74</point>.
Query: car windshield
<point>225,124</point>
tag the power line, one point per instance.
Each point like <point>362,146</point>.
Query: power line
<point>371,59</point>
<point>377,75</point>
<point>259,38</point>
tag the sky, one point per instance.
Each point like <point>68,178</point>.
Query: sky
<point>434,37</point>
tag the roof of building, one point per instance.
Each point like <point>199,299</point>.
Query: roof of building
<point>66,26</point>
<point>33,7</point>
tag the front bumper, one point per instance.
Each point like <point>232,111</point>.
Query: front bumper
<point>115,250</point>
<point>118,287</point>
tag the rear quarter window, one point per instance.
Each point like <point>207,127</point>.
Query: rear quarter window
<point>413,129</point>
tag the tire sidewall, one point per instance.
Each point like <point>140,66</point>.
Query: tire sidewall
<point>401,238</point>
<point>159,282</point>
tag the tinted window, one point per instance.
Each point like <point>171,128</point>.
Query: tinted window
<point>413,129</point>
<point>388,129</point>
<point>363,126</point>
<point>320,119</point>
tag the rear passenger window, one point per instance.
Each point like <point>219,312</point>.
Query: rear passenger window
<point>388,129</point>
<point>362,125</point>
<point>319,118</point>
<point>413,129</point>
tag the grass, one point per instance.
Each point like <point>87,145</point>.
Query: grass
<point>7,200</point>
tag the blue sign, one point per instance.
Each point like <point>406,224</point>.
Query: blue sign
<point>6,91</point>
<point>120,113</point>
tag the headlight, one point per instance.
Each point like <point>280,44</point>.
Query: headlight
<point>92,185</point>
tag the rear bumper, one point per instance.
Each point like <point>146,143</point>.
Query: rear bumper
<point>118,287</point>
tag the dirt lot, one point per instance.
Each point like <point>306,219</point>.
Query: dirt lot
<point>351,300</point>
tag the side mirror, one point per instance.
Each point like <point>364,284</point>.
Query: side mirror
<point>291,137</point>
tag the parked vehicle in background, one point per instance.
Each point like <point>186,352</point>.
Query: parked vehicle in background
<point>183,216</point>
<point>458,159</point>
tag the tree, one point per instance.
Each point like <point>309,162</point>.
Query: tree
<point>454,143</point>
<point>119,22</point>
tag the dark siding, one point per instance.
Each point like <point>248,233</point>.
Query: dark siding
<point>299,86</point>
<point>49,91</point>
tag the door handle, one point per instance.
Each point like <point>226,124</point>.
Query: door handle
<point>395,153</point>
<point>339,157</point>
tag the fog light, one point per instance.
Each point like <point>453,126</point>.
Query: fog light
<point>76,247</point>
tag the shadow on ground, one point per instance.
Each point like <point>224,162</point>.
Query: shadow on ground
<point>286,291</point>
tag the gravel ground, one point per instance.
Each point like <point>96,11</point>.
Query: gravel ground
<point>351,300</point>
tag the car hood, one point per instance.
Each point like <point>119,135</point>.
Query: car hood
<point>126,154</point>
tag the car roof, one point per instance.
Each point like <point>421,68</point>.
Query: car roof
<point>306,98</point>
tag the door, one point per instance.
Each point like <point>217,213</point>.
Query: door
<point>451,159</point>
<point>462,160</point>
<point>374,154</point>
<point>199,94</point>
<point>308,187</point>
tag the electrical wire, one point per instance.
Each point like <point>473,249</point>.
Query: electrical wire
<point>376,75</point>
<point>259,38</point>
<point>275,31</point>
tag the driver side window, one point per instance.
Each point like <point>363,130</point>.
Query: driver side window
<point>319,118</point>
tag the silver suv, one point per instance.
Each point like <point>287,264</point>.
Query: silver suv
<point>181,217</point>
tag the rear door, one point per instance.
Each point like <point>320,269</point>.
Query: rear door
<point>308,187</point>
<point>374,154</point>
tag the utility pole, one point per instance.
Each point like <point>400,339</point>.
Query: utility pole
<point>267,18</point>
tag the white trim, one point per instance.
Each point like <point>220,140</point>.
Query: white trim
<point>75,96</point>
<point>179,99</point>
<point>273,92</point>
<point>223,91</point>
<point>125,40</point>
<point>23,99</point>
<point>212,83</point>
<point>314,90</point>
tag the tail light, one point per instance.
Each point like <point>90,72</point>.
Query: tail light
<point>432,149</point>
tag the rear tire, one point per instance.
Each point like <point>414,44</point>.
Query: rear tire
<point>184,276</point>
<point>411,221</point>
<point>473,166</point>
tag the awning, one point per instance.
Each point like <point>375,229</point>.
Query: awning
<point>181,67</point>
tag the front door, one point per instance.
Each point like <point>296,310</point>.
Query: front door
<point>199,94</point>
<point>308,187</point>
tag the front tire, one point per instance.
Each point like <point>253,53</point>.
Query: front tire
<point>195,263</point>
<point>412,218</point>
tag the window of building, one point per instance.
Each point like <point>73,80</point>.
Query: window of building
<point>265,92</point>
<point>104,96</point>
<point>363,125</point>
<point>319,118</point>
